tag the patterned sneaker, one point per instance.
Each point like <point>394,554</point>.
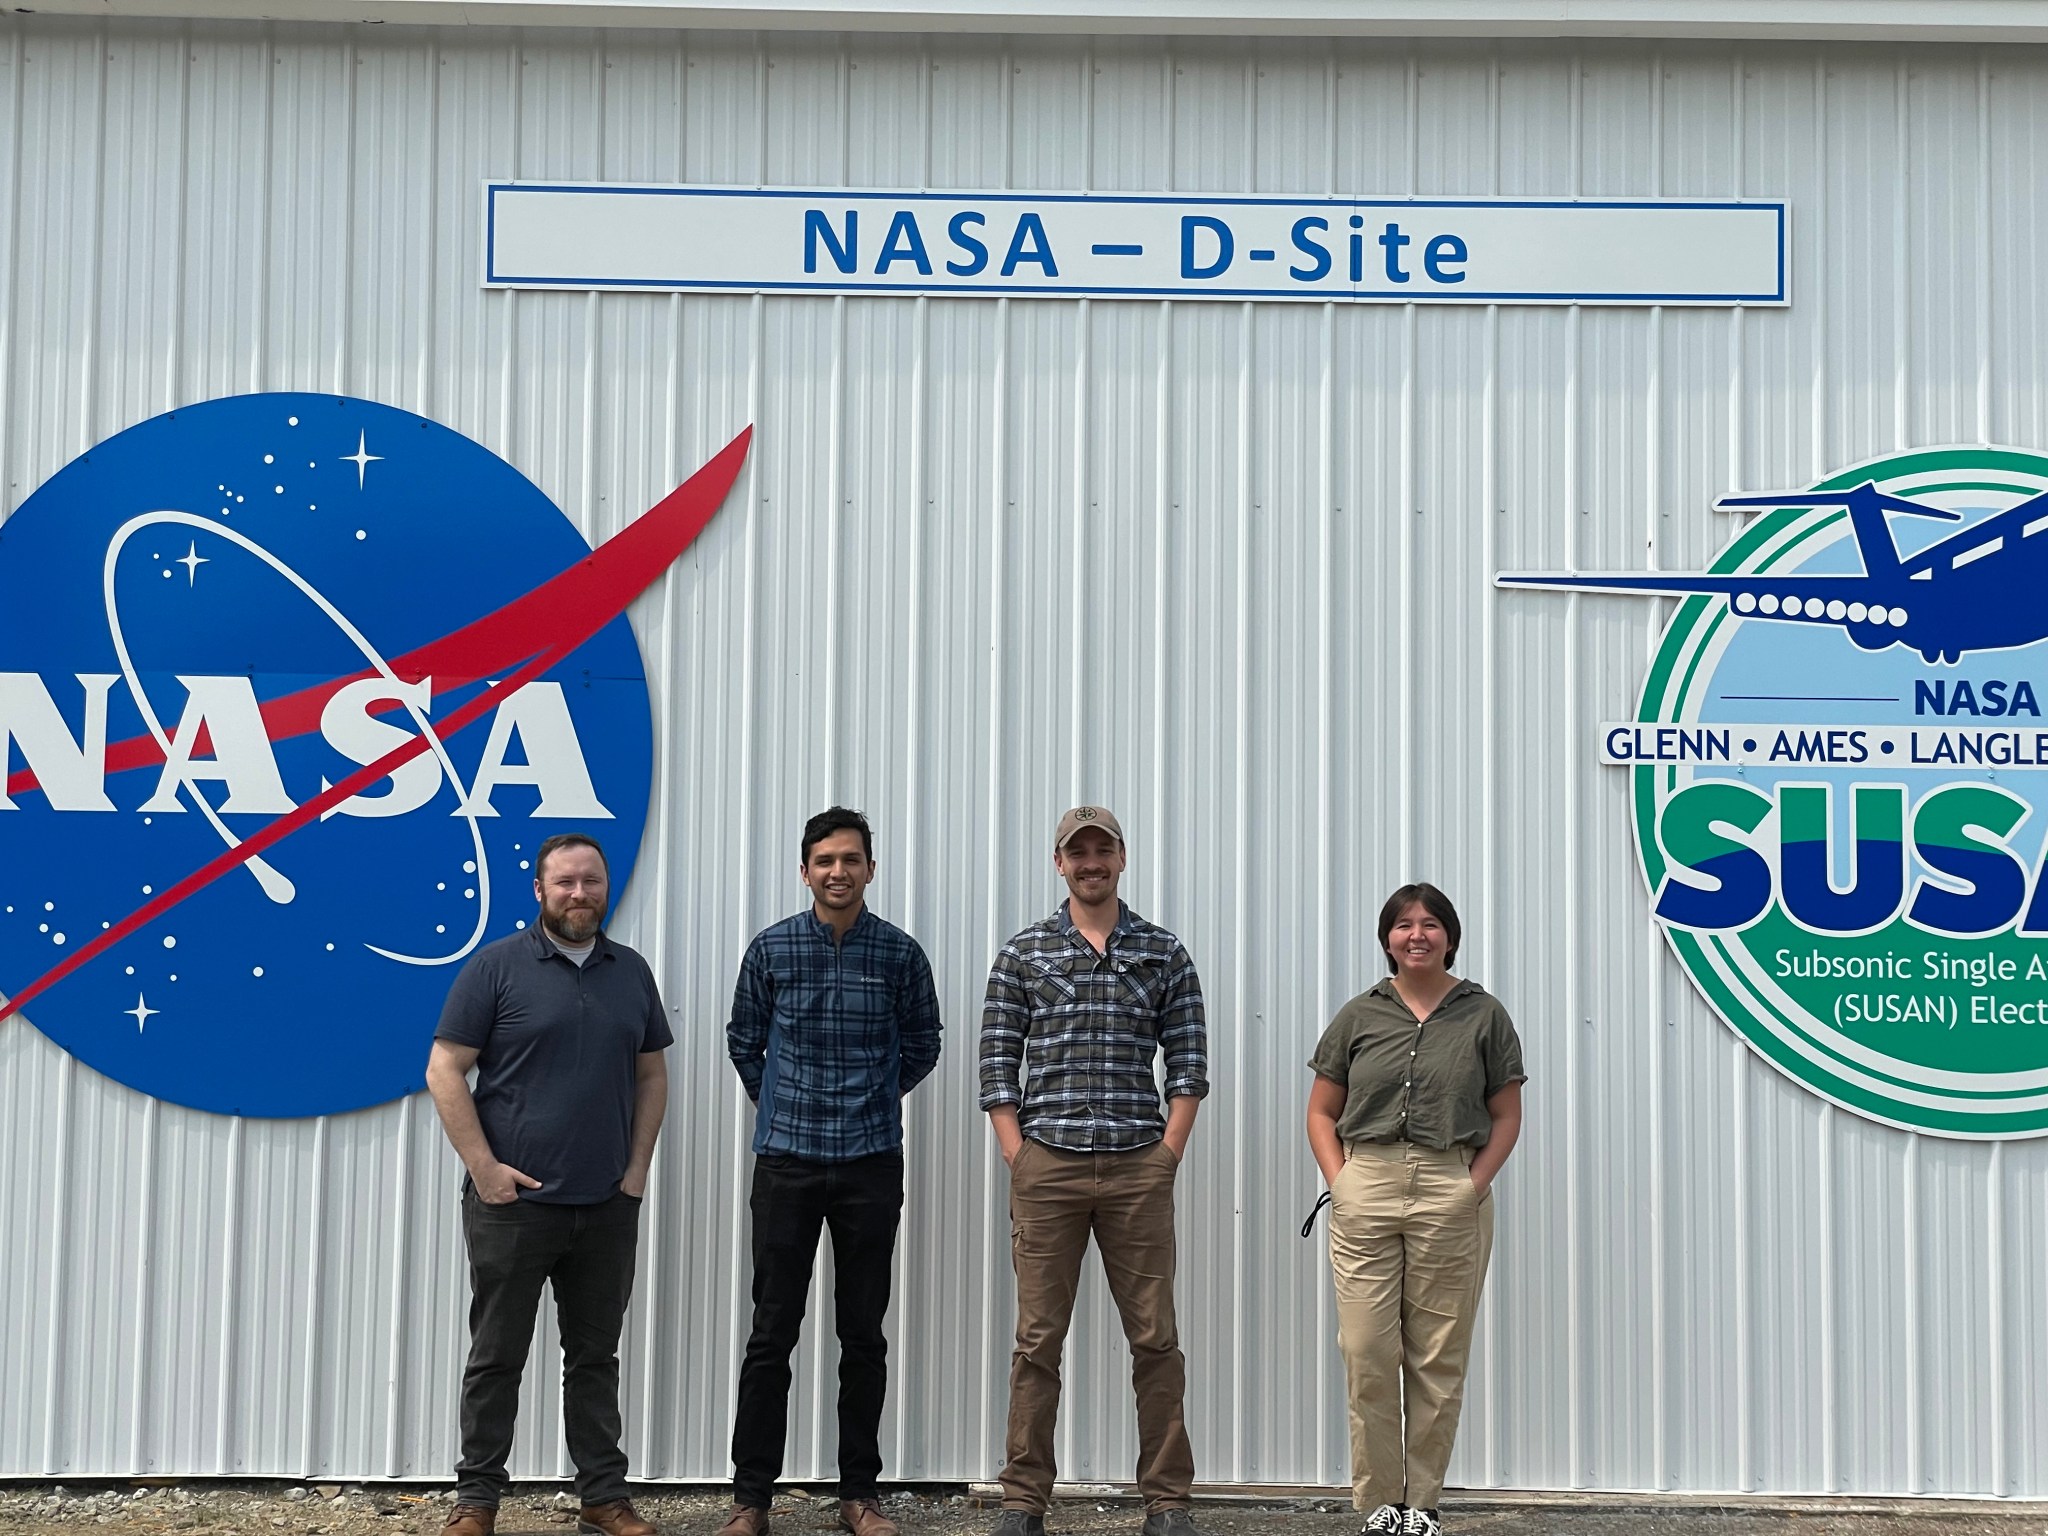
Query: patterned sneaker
<point>1421,1522</point>
<point>1387,1520</point>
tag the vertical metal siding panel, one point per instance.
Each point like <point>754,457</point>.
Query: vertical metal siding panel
<point>2016,153</point>
<point>1788,1274</point>
<point>1700,1207</point>
<point>1617,140</point>
<point>1208,345</point>
<point>1942,183</point>
<point>392,280</point>
<point>267,1339</point>
<point>224,188</point>
<point>1536,89</point>
<point>1956,1374</point>
<point>476,130</point>
<point>713,772</point>
<point>2017,157</point>
<point>60,111</point>
<point>311,235</point>
<point>1870,1176</point>
<point>969,1336</point>
<point>13,91</point>
<point>1274,1030</point>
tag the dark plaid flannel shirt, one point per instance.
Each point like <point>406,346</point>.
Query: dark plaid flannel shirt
<point>1091,1024</point>
<point>827,1037</point>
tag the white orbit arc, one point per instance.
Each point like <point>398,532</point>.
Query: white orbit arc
<point>274,883</point>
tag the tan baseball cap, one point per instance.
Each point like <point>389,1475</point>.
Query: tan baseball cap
<point>1080,819</point>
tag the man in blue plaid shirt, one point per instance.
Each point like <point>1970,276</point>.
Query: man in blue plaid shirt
<point>834,1019</point>
<point>1093,994</point>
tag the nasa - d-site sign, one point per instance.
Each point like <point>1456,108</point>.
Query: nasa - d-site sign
<point>291,688</point>
<point>1839,771</point>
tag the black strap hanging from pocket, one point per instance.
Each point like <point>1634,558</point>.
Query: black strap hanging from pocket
<point>1309,1225</point>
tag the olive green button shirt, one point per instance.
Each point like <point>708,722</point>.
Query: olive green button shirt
<point>1425,1081</point>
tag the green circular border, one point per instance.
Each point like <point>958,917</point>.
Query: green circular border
<point>1755,550</point>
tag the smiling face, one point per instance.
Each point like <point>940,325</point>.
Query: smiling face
<point>574,891</point>
<point>1092,863</point>
<point>838,871</point>
<point>1418,944</point>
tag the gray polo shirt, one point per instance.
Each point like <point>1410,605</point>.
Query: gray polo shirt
<point>1420,1080</point>
<point>558,1049</point>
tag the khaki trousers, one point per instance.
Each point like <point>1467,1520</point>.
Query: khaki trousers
<point>1126,1199</point>
<point>1409,1242</point>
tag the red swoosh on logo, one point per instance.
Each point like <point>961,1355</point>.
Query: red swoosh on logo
<point>535,631</point>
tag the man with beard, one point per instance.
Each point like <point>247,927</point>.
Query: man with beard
<point>1092,993</point>
<point>566,1031</point>
<point>834,1020</point>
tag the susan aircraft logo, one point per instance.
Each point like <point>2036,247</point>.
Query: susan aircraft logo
<point>291,687</point>
<point>1839,772</point>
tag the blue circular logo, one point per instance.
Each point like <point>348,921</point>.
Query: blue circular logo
<point>291,688</point>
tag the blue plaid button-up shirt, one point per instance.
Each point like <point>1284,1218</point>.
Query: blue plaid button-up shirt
<point>828,1037</point>
<point>1093,1023</point>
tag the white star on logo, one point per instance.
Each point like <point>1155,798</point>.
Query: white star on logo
<point>192,560</point>
<point>362,458</point>
<point>142,1013</point>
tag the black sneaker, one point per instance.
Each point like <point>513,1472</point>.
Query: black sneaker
<point>1170,1522</point>
<point>1387,1520</point>
<point>1421,1522</point>
<point>1015,1522</point>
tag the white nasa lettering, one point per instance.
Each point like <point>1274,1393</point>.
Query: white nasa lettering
<point>226,708</point>
<point>352,729</point>
<point>554,758</point>
<point>72,774</point>
<point>71,771</point>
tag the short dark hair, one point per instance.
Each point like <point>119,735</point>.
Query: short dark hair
<point>836,818</point>
<point>1435,903</point>
<point>563,840</point>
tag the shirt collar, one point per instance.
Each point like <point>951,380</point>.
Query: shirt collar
<point>823,929</point>
<point>543,948</point>
<point>1125,923</point>
<point>1385,988</point>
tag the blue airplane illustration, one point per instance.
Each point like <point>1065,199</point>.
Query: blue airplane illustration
<point>1970,592</point>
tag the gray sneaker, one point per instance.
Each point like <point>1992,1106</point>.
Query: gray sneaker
<point>1170,1522</point>
<point>1015,1522</point>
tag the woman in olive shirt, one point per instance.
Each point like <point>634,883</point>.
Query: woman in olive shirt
<point>1416,1103</point>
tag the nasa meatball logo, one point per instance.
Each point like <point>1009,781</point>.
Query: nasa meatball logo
<point>1839,772</point>
<point>291,687</point>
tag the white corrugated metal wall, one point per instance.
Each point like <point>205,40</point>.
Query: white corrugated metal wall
<point>1223,566</point>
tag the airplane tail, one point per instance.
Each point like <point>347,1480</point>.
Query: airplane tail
<point>1866,506</point>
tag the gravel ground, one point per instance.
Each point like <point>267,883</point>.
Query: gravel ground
<point>331,1509</point>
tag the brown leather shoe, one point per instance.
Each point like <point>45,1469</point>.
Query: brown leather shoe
<point>745,1520</point>
<point>614,1517</point>
<point>864,1517</point>
<point>470,1520</point>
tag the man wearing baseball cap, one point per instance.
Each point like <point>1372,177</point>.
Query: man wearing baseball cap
<point>1089,995</point>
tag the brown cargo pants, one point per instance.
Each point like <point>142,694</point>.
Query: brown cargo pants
<point>1126,1199</point>
<point>1409,1243</point>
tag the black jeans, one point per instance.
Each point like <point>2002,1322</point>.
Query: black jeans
<point>861,1203</point>
<point>587,1253</point>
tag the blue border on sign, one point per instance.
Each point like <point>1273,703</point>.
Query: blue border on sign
<point>493,278</point>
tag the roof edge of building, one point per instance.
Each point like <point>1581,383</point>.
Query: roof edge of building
<point>1955,21</point>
